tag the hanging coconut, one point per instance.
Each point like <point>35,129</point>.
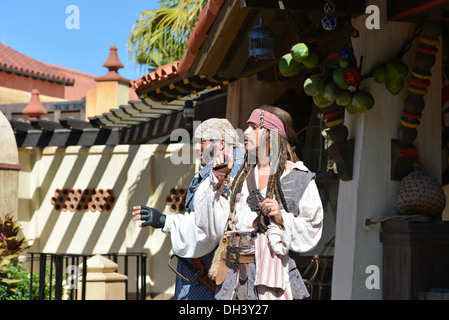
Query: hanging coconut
<point>288,66</point>
<point>313,86</point>
<point>312,60</point>
<point>380,74</point>
<point>344,98</point>
<point>396,70</point>
<point>338,76</point>
<point>362,101</point>
<point>321,102</point>
<point>331,91</point>
<point>299,52</point>
<point>395,86</point>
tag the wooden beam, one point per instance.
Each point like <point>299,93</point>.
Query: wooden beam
<point>220,37</point>
<point>154,128</point>
<point>116,120</point>
<point>134,112</point>
<point>65,137</point>
<point>413,10</point>
<point>74,124</point>
<point>21,126</point>
<point>238,54</point>
<point>356,7</point>
<point>45,125</point>
<point>102,122</point>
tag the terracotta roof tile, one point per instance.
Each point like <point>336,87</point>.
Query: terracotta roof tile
<point>16,62</point>
<point>199,35</point>
<point>161,74</point>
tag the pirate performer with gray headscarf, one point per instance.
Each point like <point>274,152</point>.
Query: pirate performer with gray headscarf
<point>213,137</point>
<point>271,207</point>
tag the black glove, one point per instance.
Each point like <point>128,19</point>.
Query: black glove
<point>152,217</point>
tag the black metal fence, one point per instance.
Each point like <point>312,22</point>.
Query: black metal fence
<point>55,270</point>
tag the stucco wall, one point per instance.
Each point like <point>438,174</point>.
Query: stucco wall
<point>138,175</point>
<point>371,194</point>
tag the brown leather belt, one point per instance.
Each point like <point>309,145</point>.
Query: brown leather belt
<point>246,258</point>
<point>201,272</point>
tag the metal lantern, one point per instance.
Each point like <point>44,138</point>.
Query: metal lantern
<point>261,42</point>
<point>189,112</point>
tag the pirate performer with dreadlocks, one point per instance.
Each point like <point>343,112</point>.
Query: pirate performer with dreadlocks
<point>271,207</point>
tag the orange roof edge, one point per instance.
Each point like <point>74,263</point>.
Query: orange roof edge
<point>181,67</point>
<point>199,35</point>
<point>157,76</point>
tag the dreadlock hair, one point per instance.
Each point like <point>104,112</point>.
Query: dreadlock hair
<point>285,152</point>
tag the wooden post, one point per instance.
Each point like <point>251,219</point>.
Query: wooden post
<point>9,169</point>
<point>102,282</point>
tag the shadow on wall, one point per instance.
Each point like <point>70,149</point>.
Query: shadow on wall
<point>138,175</point>
<point>151,187</point>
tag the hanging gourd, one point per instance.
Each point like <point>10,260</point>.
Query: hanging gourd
<point>299,56</point>
<point>392,74</point>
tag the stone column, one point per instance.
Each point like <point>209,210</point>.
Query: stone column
<point>9,169</point>
<point>102,282</point>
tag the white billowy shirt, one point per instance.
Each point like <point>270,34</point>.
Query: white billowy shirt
<point>198,233</point>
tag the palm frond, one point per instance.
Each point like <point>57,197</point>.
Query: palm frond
<point>160,36</point>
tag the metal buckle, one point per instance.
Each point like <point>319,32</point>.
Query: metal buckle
<point>246,240</point>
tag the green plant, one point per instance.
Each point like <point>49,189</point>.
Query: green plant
<point>10,246</point>
<point>20,290</point>
<point>160,36</point>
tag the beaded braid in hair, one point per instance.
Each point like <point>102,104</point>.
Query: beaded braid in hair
<point>274,187</point>
<point>240,177</point>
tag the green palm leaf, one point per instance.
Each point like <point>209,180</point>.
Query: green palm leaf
<point>160,36</point>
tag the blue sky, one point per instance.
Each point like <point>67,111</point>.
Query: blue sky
<point>37,28</point>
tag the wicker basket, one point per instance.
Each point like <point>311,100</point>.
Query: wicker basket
<point>420,193</point>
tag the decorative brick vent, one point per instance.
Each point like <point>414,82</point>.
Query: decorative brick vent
<point>83,200</point>
<point>176,199</point>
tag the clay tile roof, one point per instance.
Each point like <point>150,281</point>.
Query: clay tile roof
<point>160,75</point>
<point>16,62</point>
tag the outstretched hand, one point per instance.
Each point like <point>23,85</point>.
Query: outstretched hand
<point>150,216</point>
